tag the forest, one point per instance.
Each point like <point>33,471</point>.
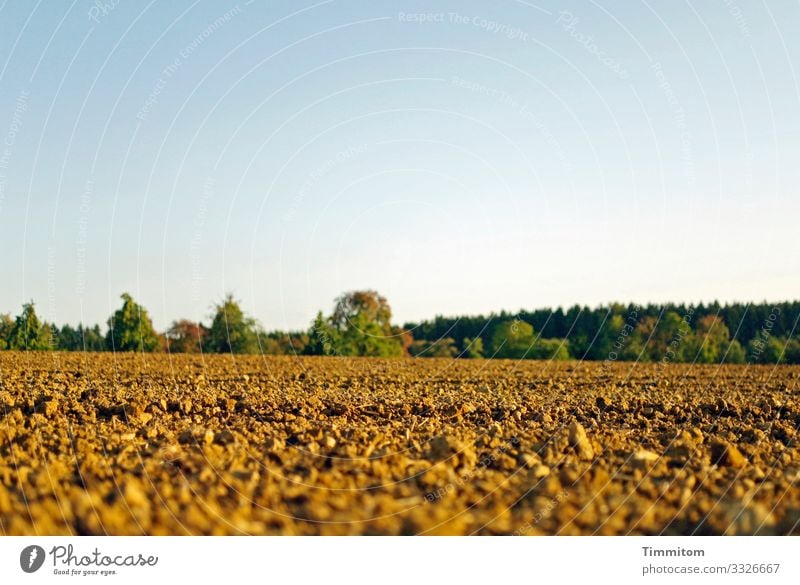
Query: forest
<point>360,324</point>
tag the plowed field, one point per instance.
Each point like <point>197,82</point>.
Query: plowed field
<point>158,444</point>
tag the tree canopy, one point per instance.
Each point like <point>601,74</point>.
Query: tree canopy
<point>232,331</point>
<point>130,328</point>
<point>360,325</point>
<point>185,336</point>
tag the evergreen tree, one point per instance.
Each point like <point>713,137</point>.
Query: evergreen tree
<point>231,330</point>
<point>130,328</point>
<point>28,332</point>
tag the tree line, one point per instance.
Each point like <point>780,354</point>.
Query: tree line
<point>361,325</point>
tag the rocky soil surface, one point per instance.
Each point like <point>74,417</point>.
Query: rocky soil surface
<point>159,444</point>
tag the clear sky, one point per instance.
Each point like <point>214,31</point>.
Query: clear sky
<point>459,157</point>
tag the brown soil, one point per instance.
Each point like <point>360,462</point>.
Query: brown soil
<point>157,444</point>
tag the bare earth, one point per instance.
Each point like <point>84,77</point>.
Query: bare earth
<point>158,444</point>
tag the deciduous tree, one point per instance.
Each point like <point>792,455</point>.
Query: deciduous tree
<point>186,336</point>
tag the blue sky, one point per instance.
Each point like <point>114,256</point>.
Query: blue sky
<point>459,157</point>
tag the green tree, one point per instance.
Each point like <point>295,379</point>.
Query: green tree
<point>441,348</point>
<point>6,325</point>
<point>735,353</point>
<point>663,334</point>
<point>669,339</point>
<point>28,332</point>
<point>792,353</point>
<point>625,336</point>
<point>69,339</point>
<point>639,345</point>
<point>232,331</point>
<point>280,343</point>
<point>473,347</point>
<point>92,337</point>
<point>359,326</point>
<point>549,349</point>
<point>130,328</point>
<point>512,339</point>
<point>324,338</point>
<point>364,305</point>
<point>767,349</point>
<point>515,339</point>
<point>709,342</point>
<point>81,338</point>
